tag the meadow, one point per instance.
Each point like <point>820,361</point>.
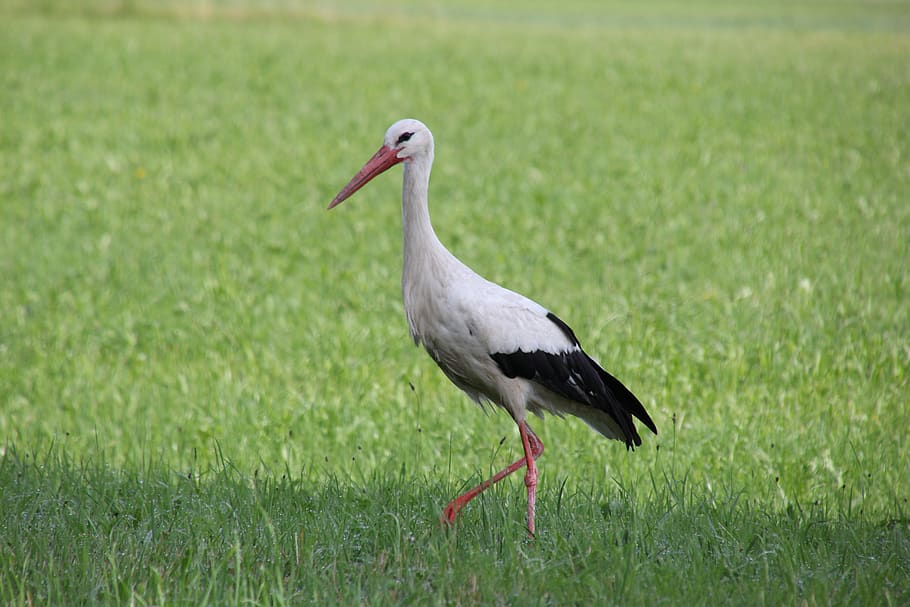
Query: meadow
<point>207,390</point>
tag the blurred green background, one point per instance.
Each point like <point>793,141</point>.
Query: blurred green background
<point>715,196</point>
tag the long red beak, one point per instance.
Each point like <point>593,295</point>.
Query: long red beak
<point>381,161</point>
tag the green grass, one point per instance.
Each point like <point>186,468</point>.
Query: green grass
<point>207,392</point>
<point>89,533</point>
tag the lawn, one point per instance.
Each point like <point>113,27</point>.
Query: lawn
<point>207,390</point>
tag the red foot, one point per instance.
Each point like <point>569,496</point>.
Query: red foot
<point>449,514</point>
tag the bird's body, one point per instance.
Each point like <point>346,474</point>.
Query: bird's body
<point>494,344</point>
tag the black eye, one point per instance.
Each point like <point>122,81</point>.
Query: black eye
<point>404,137</point>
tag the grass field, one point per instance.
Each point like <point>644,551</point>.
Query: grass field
<point>207,391</point>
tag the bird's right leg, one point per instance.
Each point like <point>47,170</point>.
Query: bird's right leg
<point>533,447</point>
<point>528,439</point>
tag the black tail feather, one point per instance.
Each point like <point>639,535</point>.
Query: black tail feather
<point>629,401</point>
<point>626,404</point>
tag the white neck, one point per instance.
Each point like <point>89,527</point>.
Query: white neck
<point>422,249</point>
<point>427,265</point>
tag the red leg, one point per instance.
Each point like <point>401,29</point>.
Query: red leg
<point>533,447</point>
<point>531,475</point>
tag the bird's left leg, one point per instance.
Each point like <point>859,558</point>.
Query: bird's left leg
<point>533,447</point>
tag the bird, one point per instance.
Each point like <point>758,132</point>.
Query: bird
<point>494,344</point>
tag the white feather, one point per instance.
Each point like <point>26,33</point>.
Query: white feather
<point>457,315</point>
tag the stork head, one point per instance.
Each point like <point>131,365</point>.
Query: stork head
<point>405,140</point>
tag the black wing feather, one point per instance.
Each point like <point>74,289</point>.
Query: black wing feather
<point>576,376</point>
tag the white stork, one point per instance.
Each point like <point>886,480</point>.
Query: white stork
<point>494,344</point>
